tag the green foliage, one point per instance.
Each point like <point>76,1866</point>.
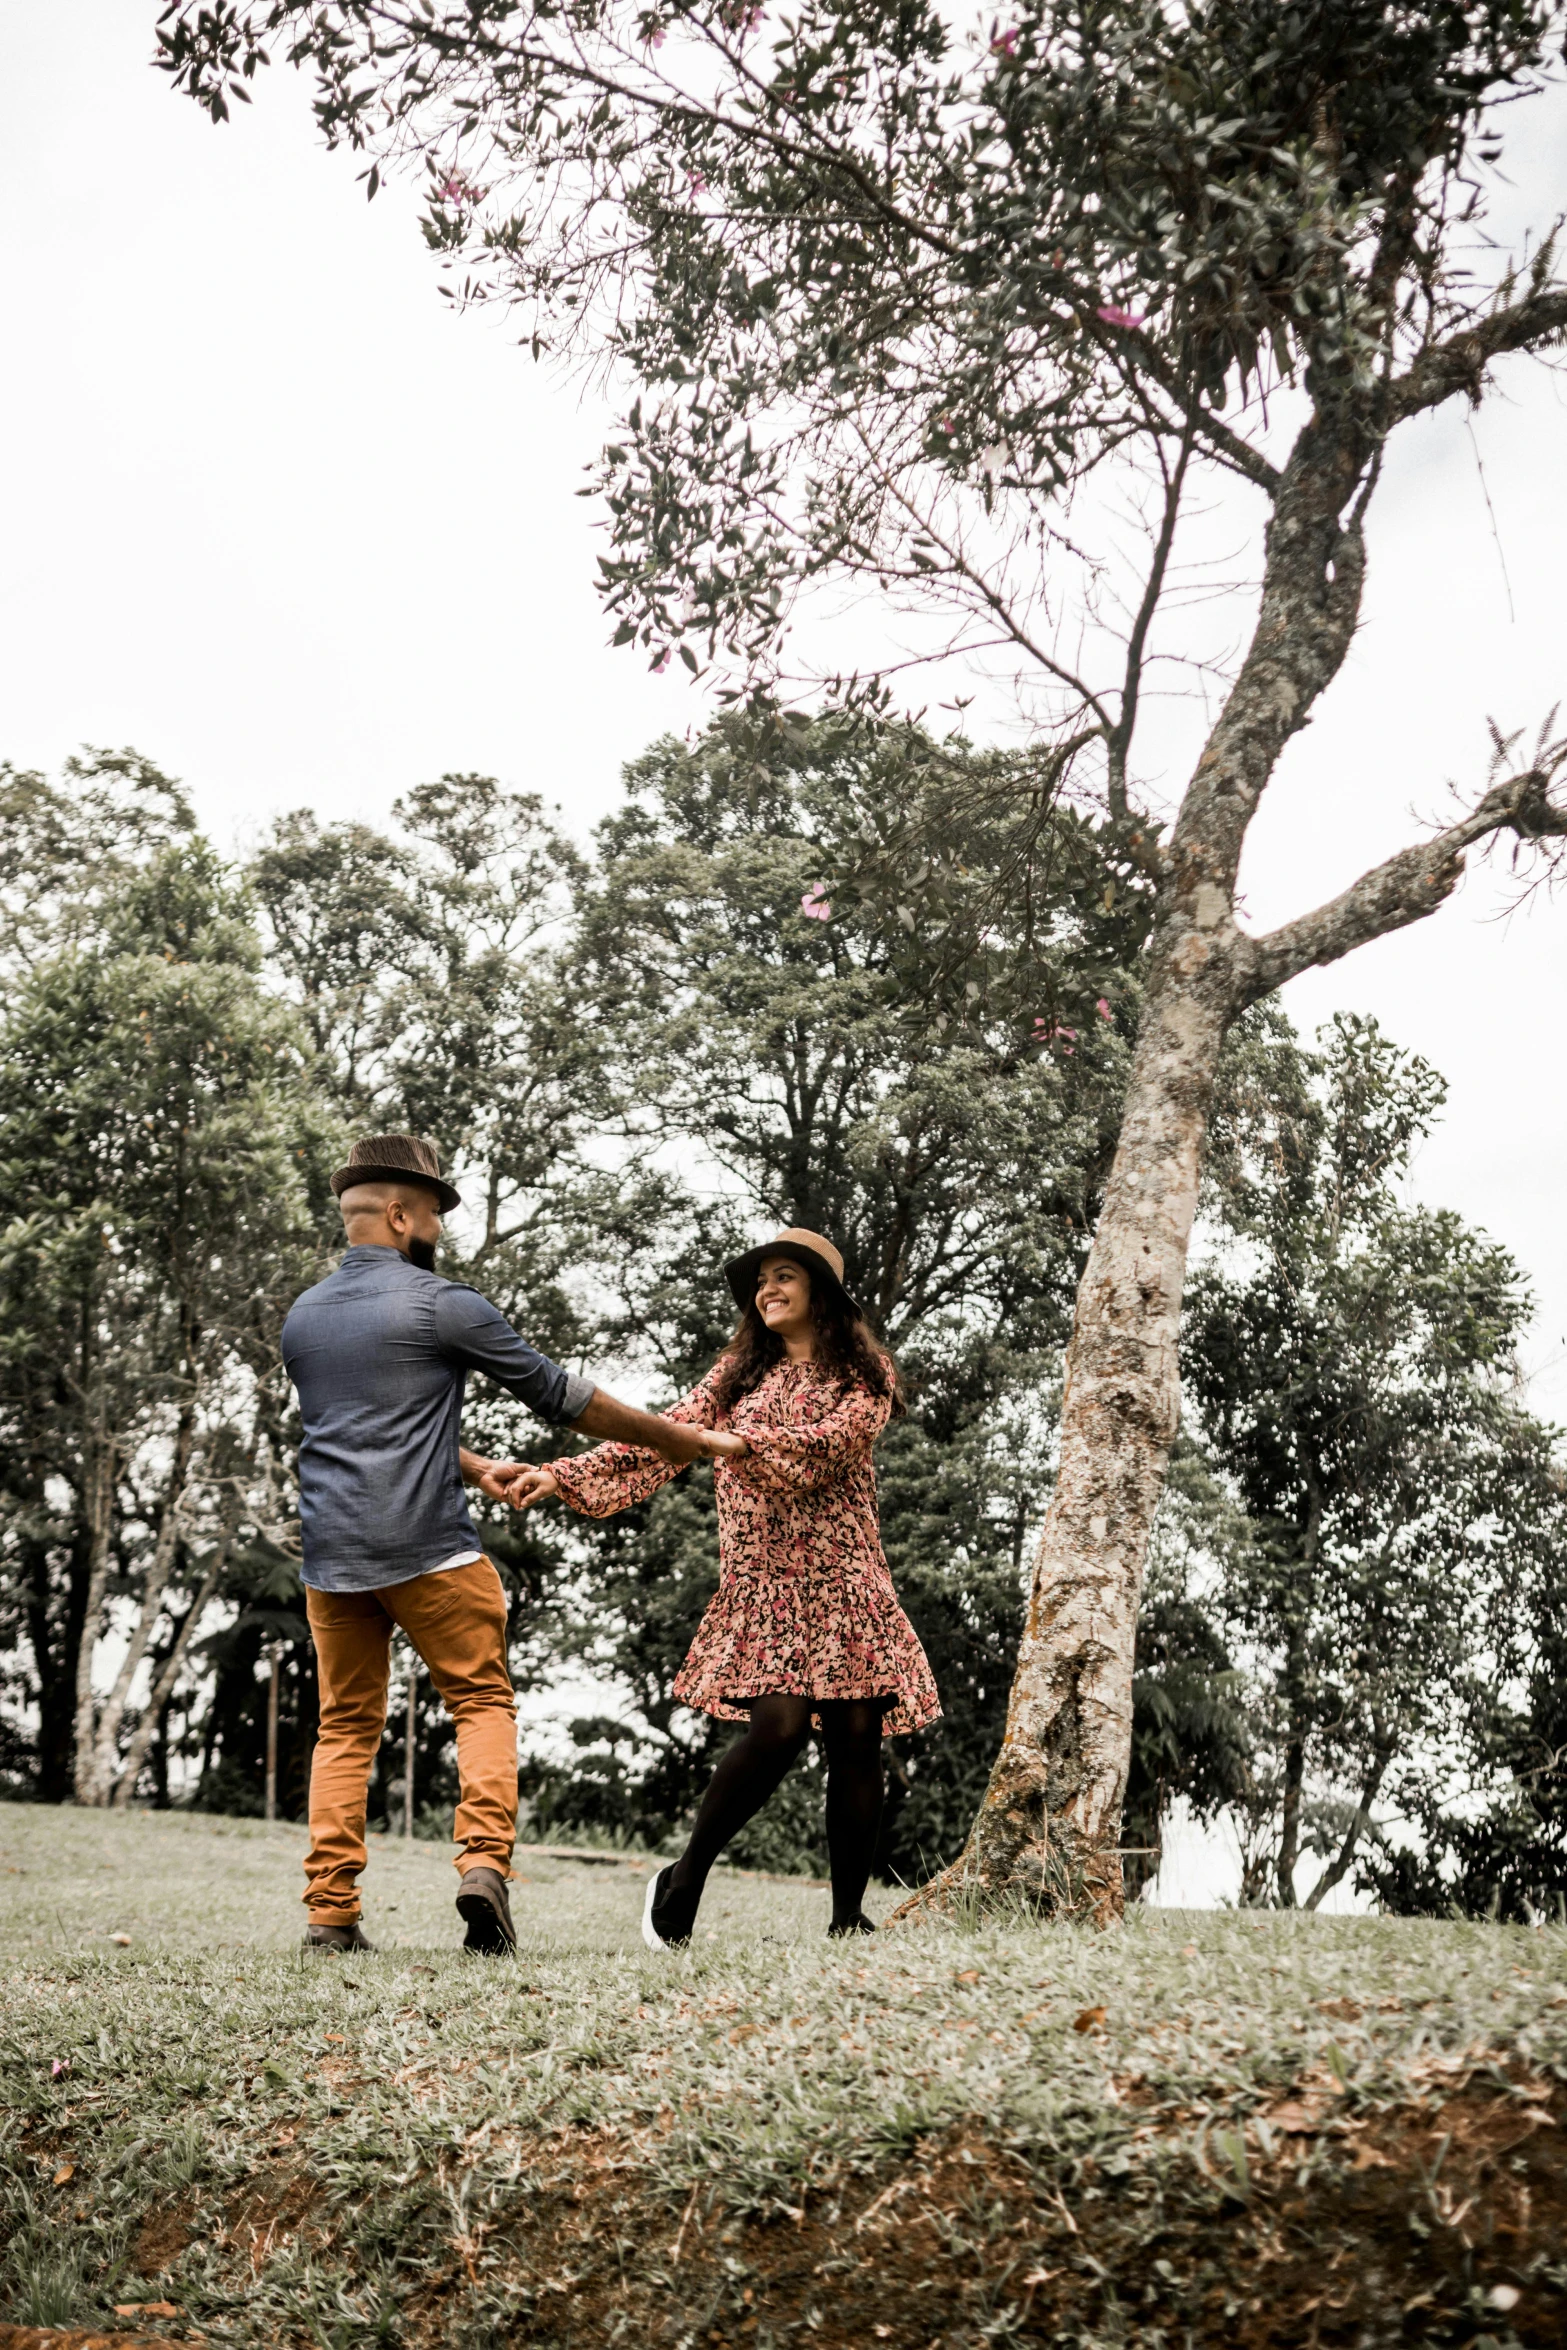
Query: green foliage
<point>1192,1737</point>
<point>1350,1359</point>
<point>159,1146</point>
<point>892,291</point>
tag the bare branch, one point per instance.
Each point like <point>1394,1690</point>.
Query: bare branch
<point>1458,363</point>
<point>1408,886</point>
<point>1119,739</point>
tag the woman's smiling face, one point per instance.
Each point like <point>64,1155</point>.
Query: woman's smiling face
<point>783,1297</point>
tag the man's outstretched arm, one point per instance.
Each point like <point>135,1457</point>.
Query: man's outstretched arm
<point>474,1332</point>
<point>675,1440</point>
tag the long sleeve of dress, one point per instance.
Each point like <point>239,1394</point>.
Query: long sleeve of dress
<point>798,1455</point>
<point>614,1476</point>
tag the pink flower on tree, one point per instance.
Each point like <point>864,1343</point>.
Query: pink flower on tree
<point>1103,1009</point>
<point>697,184</point>
<point>457,190</point>
<point>657,37</point>
<point>814,905</point>
<point>1113,315</point>
<point>1005,44</point>
<point>1045,1033</point>
<point>662,663</point>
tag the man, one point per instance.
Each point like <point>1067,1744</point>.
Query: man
<point>379,1353</point>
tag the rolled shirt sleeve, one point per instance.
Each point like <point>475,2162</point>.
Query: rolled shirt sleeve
<point>470,1331</point>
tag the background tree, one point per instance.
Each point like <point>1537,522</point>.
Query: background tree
<point>1488,1836</point>
<point>1193,1726</point>
<point>157,1152</point>
<point>911,308</point>
<point>1351,1363</point>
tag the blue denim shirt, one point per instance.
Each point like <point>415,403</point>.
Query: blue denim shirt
<point>380,1354</point>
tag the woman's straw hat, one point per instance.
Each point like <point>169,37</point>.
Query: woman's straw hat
<point>809,1249</point>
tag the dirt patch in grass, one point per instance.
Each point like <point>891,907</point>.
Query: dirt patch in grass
<point>164,2234</point>
<point>1434,2223</point>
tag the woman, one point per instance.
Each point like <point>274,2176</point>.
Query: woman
<point>805,1628</point>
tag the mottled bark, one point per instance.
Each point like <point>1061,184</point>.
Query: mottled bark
<point>1050,1820</point>
<point>98,1515</point>
<point>163,1685</point>
<point>98,1731</point>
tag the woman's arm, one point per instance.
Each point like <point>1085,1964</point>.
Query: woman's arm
<point>797,1455</point>
<point>614,1476</point>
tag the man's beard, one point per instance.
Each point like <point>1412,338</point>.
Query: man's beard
<point>422,1254</point>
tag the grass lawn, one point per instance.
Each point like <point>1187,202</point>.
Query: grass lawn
<point>1193,2130</point>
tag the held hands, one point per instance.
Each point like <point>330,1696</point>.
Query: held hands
<point>530,1485</point>
<point>721,1444</point>
<point>522,1486</point>
<point>494,1478</point>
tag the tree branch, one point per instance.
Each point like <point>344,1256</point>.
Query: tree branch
<point>1458,363</point>
<point>1407,887</point>
<point>1336,1872</point>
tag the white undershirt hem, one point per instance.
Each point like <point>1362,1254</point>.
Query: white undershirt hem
<point>459,1558</point>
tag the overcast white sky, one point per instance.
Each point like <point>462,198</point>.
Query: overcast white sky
<point>275,516</point>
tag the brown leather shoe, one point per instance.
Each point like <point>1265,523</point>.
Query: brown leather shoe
<point>485,1907</point>
<point>327,1938</point>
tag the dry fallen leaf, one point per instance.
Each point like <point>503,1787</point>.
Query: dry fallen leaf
<point>67,2170</point>
<point>1090,2019</point>
<point>1188,1950</point>
<point>123,1940</point>
<point>1293,2120</point>
<point>969,1975</point>
<point>146,2309</point>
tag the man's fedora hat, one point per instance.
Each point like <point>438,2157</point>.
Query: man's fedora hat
<point>382,1158</point>
<point>818,1256</point>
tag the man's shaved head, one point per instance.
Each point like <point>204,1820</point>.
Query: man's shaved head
<point>392,1211</point>
<point>371,1199</point>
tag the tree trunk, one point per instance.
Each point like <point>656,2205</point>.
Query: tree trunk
<point>1339,1867</point>
<point>163,1687</point>
<point>1301,1600</point>
<point>1289,1822</point>
<point>1048,1829</point>
<point>98,1511</point>
<point>1049,1823</point>
<point>96,1784</point>
<point>55,1639</point>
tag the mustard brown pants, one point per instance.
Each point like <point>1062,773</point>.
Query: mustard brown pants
<point>456,1621</point>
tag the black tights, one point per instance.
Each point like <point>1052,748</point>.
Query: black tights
<point>756,1766</point>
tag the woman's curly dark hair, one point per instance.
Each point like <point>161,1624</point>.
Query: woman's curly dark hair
<point>847,1349</point>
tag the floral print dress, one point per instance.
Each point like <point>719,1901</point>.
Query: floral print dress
<point>805,1605</point>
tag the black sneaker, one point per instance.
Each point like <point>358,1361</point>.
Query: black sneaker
<point>347,1939</point>
<point>484,1906</point>
<point>668,1915</point>
<point>840,1927</point>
